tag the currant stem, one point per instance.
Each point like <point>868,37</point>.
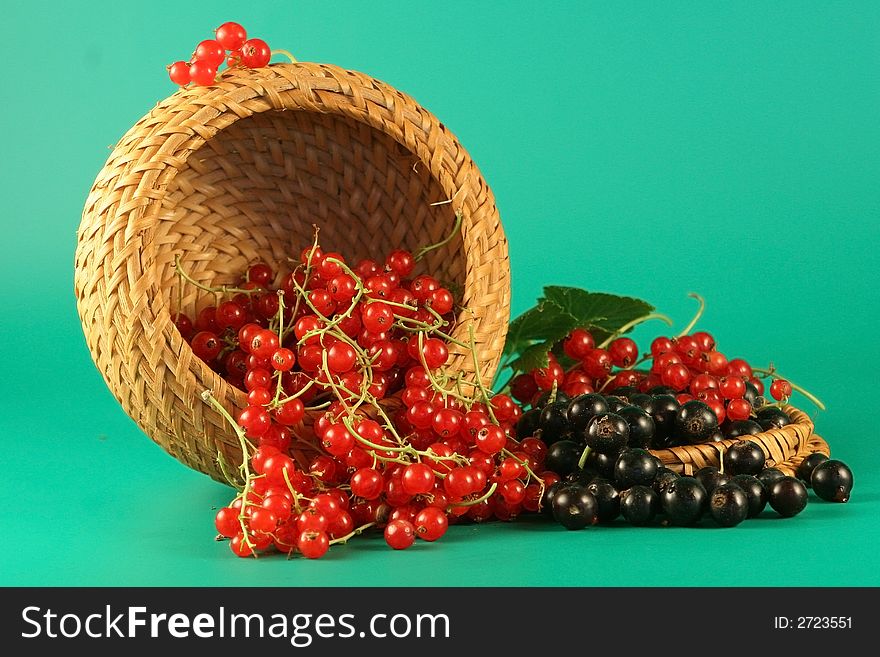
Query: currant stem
<point>287,54</point>
<point>223,289</point>
<point>771,371</point>
<point>583,459</point>
<point>481,498</point>
<point>632,324</point>
<point>356,532</point>
<point>427,249</point>
<point>696,318</point>
<point>477,377</point>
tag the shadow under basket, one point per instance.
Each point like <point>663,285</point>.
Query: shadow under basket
<point>783,448</point>
<point>225,176</point>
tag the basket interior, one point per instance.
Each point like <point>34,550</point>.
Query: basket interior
<point>254,190</point>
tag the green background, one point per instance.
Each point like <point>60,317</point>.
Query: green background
<point>649,149</point>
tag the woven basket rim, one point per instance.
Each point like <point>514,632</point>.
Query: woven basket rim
<point>791,441</point>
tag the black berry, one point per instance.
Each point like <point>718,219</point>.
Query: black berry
<point>739,428</point>
<point>754,490</point>
<point>805,469</point>
<point>608,498</point>
<point>641,426</point>
<point>832,481</point>
<point>574,507</point>
<point>584,408</point>
<point>562,457</point>
<point>787,496</point>
<point>638,505</point>
<point>684,501</point>
<point>711,477</point>
<point>744,457</point>
<point>729,505</point>
<point>607,433</point>
<point>635,467</point>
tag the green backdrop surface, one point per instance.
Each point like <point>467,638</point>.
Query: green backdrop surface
<point>649,149</point>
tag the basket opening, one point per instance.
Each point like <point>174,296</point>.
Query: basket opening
<point>254,190</point>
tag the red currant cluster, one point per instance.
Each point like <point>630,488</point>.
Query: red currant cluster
<point>688,366</point>
<point>399,440</point>
<point>230,44</point>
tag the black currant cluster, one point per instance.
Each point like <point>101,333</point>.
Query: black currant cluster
<point>599,446</point>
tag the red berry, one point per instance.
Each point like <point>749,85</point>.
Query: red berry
<point>597,363</point>
<point>661,345</point>
<point>624,352</point>
<point>401,262</point>
<point>231,35</point>
<point>417,479</point>
<point>490,439</point>
<point>739,409</point>
<point>430,523</point>
<point>400,534</point>
<point>255,421</point>
<point>206,345</point>
<point>341,357</point>
<point>210,52</point>
<point>780,389</point>
<point>202,73</point>
<point>240,547</point>
<point>312,544</point>
<point>227,523</point>
<point>578,343</point>
<point>179,73</point>
<point>731,387</point>
<point>441,301</point>
<point>255,53</point>
<point>367,483</point>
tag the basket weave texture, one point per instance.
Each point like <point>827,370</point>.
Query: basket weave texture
<point>227,175</point>
<point>783,448</point>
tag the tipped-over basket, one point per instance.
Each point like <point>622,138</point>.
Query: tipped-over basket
<point>238,172</point>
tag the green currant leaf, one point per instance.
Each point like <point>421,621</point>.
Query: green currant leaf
<point>532,357</point>
<point>545,322</point>
<point>597,310</point>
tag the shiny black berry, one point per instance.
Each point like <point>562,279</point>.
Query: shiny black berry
<point>662,409</point>
<point>615,403</point>
<point>744,457</point>
<point>602,463</point>
<point>663,478</point>
<point>739,428</point>
<point>635,467</point>
<point>711,477</point>
<point>583,476</point>
<point>832,481</point>
<point>527,424</point>
<point>638,505</point>
<point>771,417</point>
<point>684,501</point>
<point>549,494</point>
<point>544,398</point>
<point>607,433</point>
<point>754,490</point>
<point>574,507</point>
<point>553,423</point>
<point>751,394</point>
<point>805,469</point>
<point>639,399</point>
<point>663,390</point>
<point>729,505</point>
<point>695,422</point>
<point>608,497</point>
<point>641,426</point>
<point>787,496</point>
<point>562,457</point>
<point>769,475</point>
<point>626,392</point>
<point>584,408</point>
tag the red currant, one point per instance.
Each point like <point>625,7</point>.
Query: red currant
<point>231,35</point>
<point>179,73</point>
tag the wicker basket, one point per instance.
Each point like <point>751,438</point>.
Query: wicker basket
<point>230,174</point>
<point>783,448</point>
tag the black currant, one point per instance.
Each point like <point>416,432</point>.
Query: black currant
<point>641,426</point>
<point>683,501</point>
<point>583,476</point>
<point>574,507</point>
<point>711,477</point>
<point>663,478</point>
<point>638,505</point>
<point>663,390</point>
<point>548,495</point>
<point>607,433</point>
<point>743,457</point>
<point>715,437</point>
<point>751,394</point>
<point>729,505</point>
<point>608,498</point>
<point>553,423</point>
<point>615,403</point>
<point>584,408</point>
<point>769,475</point>
<point>626,392</point>
<point>544,398</point>
<point>739,428</point>
<point>832,481</point>
<point>805,469</point>
<point>787,496</point>
<point>602,463</point>
<point>662,409</point>
<point>562,457</point>
<point>527,424</point>
<point>639,399</point>
<point>754,490</point>
<point>771,417</point>
<point>695,422</point>
<point>635,467</point>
